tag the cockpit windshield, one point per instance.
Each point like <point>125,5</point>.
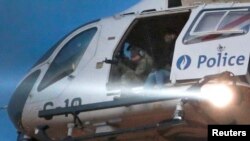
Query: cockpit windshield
<point>52,49</point>
<point>47,54</point>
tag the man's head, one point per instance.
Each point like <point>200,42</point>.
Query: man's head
<point>169,36</point>
<point>136,53</point>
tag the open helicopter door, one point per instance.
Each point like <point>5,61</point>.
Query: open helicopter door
<point>213,41</point>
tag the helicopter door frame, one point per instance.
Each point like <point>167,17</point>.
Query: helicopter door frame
<point>143,16</point>
<point>214,51</point>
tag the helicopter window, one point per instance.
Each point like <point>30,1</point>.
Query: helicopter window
<point>217,25</point>
<point>46,55</point>
<point>68,58</point>
<point>209,22</point>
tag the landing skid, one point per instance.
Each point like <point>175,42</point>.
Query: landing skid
<point>41,131</point>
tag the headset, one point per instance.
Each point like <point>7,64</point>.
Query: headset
<point>141,53</point>
<point>127,51</point>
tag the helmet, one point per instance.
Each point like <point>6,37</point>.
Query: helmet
<point>126,50</point>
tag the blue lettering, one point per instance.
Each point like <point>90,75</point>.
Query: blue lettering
<point>225,59</point>
<point>230,61</point>
<point>221,60</point>
<point>240,60</point>
<point>202,59</point>
<point>211,62</point>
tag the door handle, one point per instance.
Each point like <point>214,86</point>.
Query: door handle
<point>71,76</point>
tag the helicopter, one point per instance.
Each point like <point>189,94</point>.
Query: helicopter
<point>75,91</point>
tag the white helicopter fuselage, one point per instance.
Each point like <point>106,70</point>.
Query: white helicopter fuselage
<point>214,39</point>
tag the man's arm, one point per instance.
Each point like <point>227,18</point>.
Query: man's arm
<point>141,68</point>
